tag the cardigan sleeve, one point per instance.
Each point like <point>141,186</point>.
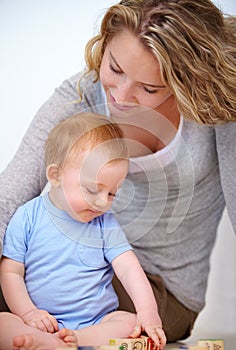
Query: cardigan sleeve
<point>226,149</point>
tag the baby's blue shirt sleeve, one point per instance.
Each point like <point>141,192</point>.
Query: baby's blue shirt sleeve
<point>115,241</point>
<point>16,236</point>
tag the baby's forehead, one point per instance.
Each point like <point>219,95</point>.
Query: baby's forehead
<point>108,150</point>
<point>95,159</point>
<point>110,175</point>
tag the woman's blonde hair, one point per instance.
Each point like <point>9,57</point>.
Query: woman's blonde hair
<point>82,132</point>
<point>194,45</point>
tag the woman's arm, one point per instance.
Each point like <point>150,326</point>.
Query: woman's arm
<point>226,149</point>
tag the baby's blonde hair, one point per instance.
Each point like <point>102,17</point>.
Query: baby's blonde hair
<point>193,43</point>
<point>82,132</point>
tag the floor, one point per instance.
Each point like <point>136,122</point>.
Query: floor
<point>229,343</point>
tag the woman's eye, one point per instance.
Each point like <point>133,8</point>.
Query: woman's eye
<point>113,69</point>
<point>150,91</point>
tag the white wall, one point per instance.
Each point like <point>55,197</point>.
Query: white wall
<point>42,43</point>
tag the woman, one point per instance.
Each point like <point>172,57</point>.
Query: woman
<point>162,70</point>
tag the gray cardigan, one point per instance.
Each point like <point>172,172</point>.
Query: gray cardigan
<point>170,212</point>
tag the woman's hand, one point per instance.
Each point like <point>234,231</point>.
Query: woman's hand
<point>41,320</point>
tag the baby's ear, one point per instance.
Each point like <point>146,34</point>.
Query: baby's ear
<point>53,174</point>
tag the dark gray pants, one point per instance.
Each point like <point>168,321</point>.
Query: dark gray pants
<point>177,320</point>
<point>3,305</point>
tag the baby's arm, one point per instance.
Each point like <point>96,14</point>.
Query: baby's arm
<point>18,300</point>
<point>130,273</point>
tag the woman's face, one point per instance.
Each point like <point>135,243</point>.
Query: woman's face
<point>130,75</point>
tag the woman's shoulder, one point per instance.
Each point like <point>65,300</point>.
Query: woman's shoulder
<point>80,92</point>
<point>84,82</point>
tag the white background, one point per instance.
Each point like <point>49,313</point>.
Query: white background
<point>42,43</point>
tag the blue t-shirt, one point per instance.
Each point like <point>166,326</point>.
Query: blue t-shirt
<point>68,268</point>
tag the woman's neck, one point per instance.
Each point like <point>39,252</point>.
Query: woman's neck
<point>150,131</point>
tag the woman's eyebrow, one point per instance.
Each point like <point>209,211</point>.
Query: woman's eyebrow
<point>146,84</point>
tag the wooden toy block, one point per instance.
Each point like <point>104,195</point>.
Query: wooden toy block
<point>67,348</point>
<point>142,343</point>
<point>109,347</point>
<point>192,347</point>
<point>100,347</point>
<point>212,344</point>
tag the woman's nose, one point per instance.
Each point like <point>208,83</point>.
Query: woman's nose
<point>125,92</point>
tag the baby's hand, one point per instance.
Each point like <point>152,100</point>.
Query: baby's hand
<point>41,320</point>
<point>156,333</point>
<point>158,336</point>
<point>150,322</point>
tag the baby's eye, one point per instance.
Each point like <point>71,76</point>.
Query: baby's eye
<point>91,191</point>
<point>112,194</point>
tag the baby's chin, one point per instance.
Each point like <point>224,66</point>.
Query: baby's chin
<point>87,215</point>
